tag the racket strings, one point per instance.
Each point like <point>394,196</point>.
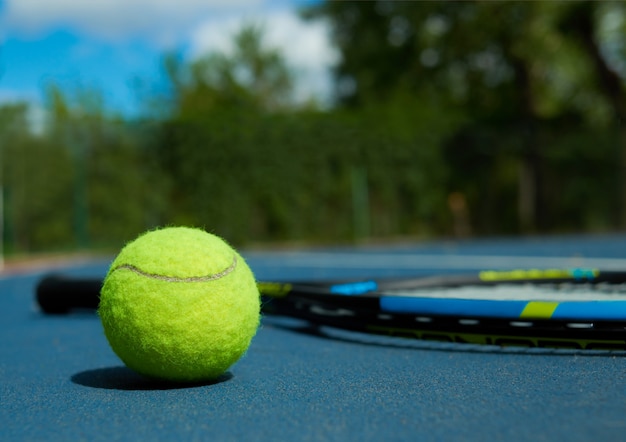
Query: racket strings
<point>523,292</point>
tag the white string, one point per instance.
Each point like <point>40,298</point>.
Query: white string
<point>524,292</point>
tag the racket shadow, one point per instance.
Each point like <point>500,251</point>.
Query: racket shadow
<point>384,341</point>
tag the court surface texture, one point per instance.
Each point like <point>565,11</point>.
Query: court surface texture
<point>61,381</point>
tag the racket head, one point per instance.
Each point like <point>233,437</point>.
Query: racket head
<point>583,308</point>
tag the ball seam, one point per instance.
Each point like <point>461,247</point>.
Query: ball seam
<point>166,278</point>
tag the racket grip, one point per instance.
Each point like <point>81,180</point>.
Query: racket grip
<point>57,294</point>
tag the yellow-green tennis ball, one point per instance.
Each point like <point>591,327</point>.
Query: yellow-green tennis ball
<point>179,304</point>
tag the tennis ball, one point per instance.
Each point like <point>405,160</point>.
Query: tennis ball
<point>179,304</point>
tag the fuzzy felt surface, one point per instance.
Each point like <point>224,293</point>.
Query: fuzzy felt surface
<point>179,304</point>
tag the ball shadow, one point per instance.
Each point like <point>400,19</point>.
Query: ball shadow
<point>123,378</point>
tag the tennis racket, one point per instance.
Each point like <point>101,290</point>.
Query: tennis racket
<point>578,308</point>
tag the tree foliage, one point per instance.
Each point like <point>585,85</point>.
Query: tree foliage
<point>525,75</point>
<point>450,118</point>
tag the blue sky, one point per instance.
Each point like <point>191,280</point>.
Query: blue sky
<point>112,45</point>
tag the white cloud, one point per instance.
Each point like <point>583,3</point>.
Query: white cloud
<point>305,45</point>
<point>201,25</point>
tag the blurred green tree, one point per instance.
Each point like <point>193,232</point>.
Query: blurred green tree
<point>496,117</point>
<point>217,142</point>
<point>35,184</point>
<point>244,159</point>
<point>510,71</point>
<point>116,189</point>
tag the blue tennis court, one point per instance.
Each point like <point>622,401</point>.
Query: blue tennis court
<point>61,380</point>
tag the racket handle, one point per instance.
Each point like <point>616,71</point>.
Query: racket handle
<point>58,294</point>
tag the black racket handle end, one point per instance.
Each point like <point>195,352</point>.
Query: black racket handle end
<point>59,295</point>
